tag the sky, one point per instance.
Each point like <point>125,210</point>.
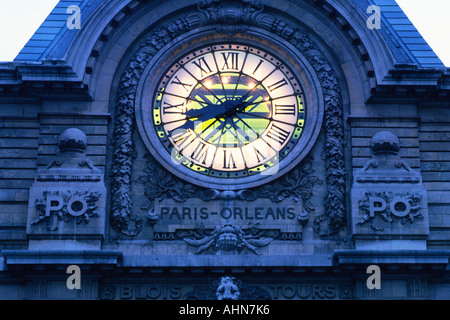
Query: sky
<point>431,18</point>
<point>19,19</point>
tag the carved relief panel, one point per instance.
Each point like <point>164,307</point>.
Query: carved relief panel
<point>68,198</point>
<point>208,184</point>
<point>389,200</point>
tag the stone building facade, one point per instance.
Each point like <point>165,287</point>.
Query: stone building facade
<point>351,104</point>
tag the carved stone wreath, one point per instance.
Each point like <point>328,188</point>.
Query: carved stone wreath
<point>296,184</point>
<point>229,17</point>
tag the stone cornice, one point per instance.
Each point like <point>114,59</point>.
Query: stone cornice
<point>65,257</point>
<point>430,257</point>
<point>32,79</point>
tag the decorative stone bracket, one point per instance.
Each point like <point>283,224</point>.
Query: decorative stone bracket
<point>230,238</point>
<point>228,288</point>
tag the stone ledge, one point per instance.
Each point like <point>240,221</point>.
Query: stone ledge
<point>82,257</point>
<point>434,257</point>
<point>225,261</point>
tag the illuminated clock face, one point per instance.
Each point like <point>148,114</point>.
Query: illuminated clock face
<point>229,111</point>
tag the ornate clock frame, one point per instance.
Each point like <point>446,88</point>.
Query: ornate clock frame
<point>208,36</point>
<point>230,18</point>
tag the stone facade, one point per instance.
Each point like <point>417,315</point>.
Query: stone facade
<point>80,186</point>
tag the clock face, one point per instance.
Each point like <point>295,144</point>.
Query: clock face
<point>228,111</point>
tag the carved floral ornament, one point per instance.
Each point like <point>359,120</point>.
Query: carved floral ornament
<point>227,17</point>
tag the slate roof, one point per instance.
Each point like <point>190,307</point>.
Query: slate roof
<point>52,38</point>
<point>403,36</point>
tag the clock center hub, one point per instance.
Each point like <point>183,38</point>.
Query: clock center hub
<point>231,106</point>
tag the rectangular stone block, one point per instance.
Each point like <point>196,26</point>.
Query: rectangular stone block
<point>389,212</point>
<point>228,225</point>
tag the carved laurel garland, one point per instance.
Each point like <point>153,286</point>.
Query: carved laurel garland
<point>229,17</point>
<point>296,184</point>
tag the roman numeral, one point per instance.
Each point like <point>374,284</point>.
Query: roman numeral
<point>228,160</point>
<point>259,155</point>
<point>200,63</point>
<point>186,86</point>
<point>234,60</point>
<point>278,134</point>
<point>200,152</point>
<point>181,138</point>
<point>259,64</point>
<point>277,85</point>
<point>172,108</point>
<point>285,109</point>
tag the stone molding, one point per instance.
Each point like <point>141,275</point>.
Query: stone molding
<point>366,257</point>
<point>64,257</point>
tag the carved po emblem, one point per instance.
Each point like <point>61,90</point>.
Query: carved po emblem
<point>66,206</point>
<point>399,206</point>
<point>76,206</point>
<point>390,206</point>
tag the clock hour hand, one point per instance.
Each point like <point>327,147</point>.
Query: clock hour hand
<point>194,113</point>
<point>202,115</point>
<point>206,113</point>
<point>235,106</point>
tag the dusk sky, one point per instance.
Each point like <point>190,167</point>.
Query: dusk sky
<point>19,19</point>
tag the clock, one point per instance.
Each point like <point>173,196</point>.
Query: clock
<point>225,116</point>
